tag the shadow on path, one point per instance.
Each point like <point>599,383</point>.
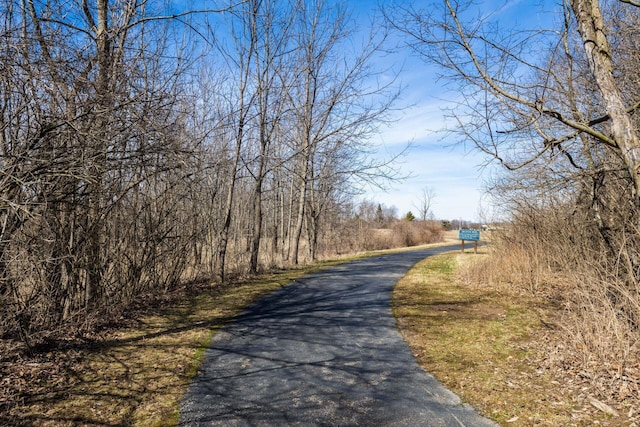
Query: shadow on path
<point>323,351</point>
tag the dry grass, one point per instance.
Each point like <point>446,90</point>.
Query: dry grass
<point>594,347</point>
<point>492,345</point>
<point>398,234</point>
<point>135,375</point>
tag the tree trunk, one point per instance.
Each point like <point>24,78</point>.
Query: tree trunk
<point>226,225</point>
<point>591,27</point>
<point>257,221</point>
<point>313,230</point>
<point>297,232</point>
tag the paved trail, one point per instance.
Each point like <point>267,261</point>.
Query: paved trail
<point>323,351</point>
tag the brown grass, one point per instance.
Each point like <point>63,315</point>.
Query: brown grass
<point>499,346</point>
<point>127,375</point>
<point>593,344</point>
<point>491,345</point>
<point>135,375</point>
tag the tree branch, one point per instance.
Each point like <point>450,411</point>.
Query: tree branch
<point>631,2</point>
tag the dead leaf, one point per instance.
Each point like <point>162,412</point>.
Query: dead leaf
<point>603,406</point>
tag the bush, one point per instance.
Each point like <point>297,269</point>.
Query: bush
<point>562,255</point>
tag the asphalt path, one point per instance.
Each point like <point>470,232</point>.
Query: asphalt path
<point>323,351</point>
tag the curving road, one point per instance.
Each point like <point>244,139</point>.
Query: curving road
<point>323,351</point>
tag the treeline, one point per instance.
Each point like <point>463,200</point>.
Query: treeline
<point>143,148</point>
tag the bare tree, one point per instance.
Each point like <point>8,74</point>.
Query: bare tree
<point>500,70</point>
<point>338,105</point>
<point>558,108</point>
<point>424,203</point>
<point>92,152</point>
<point>133,158</point>
<point>593,29</point>
<point>240,59</point>
<point>272,79</point>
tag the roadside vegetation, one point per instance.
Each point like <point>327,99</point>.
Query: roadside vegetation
<point>133,369</point>
<point>556,109</point>
<point>506,350</point>
<point>148,145</point>
<point>133,372</point>
<point>150,152</point>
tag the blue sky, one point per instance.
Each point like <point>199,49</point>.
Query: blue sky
<point>437,160</point>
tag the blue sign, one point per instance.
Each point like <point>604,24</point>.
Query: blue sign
<point>468,235</point>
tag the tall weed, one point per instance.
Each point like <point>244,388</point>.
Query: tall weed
<point>544,254</point>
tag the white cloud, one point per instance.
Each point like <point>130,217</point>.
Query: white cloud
<point>453,175</point>
<point>436,159</point>
<point>433,161</point>
<point>414,124</point>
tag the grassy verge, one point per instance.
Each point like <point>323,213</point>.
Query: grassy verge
<point>134,375</point>
<point>481,343</point>
<point>137,375</point>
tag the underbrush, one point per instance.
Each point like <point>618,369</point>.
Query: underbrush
<point>400,234</point>
<point>593,339</point>
<point>133,369</point>
<point>132,372</point>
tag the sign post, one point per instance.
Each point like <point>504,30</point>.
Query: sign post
<point>471,235</point>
